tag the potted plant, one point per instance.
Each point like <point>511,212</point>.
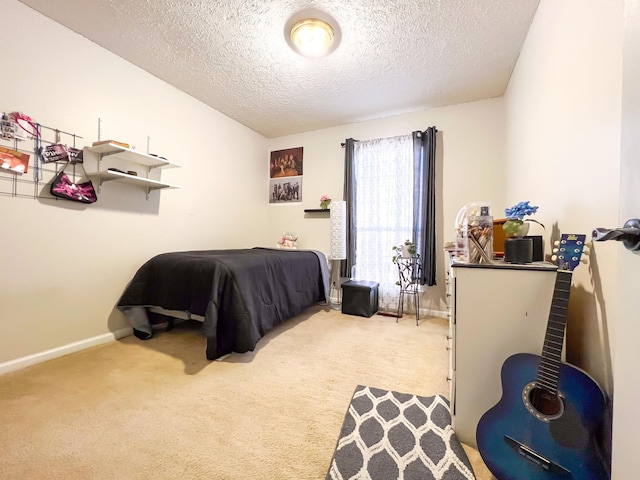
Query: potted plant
<point>517,247</point>
<point>324,202</point>
<point>515,225</point>
<point>407,249</point>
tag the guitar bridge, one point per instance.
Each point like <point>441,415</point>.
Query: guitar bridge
<point>536,458</point>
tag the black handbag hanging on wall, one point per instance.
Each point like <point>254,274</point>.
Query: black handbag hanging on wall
<point>63,187</point>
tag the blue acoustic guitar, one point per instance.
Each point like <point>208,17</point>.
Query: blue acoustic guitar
<point>546,425</point>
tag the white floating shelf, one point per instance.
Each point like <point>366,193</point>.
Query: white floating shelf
<point>131,155</point>
<point>106,175</point>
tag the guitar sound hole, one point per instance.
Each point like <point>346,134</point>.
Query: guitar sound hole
<point>545,402</point>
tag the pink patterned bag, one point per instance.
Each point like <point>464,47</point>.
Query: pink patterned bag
<point>63,187</point>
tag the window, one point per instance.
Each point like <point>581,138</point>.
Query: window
<point>390,193</point>
<point>383,179</point>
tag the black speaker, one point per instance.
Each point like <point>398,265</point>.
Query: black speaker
<point>538,248</point>
<point>518,250</point>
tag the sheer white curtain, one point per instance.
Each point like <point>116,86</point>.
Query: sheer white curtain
<point>383,176</point>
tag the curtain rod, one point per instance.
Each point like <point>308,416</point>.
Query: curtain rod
<point>344,144</point>
<point>420,132</point>
<point>425,131</point>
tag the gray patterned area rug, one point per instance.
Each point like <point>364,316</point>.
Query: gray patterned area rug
<point>397,436</point>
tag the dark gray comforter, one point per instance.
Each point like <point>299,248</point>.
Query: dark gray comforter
<point>241,294</point>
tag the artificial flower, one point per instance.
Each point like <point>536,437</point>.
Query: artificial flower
<point>515,217</point>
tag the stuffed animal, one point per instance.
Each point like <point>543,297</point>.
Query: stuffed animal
<point>289,240</point>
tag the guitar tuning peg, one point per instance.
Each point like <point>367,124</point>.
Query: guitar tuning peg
<point>554,257</point>
<point>555,250</point>
<point>586,251</point>
<point>556,243</point>
<point>589,244</point>
<point>583,260</point>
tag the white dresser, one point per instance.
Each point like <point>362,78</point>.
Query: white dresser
<point>494,312</point>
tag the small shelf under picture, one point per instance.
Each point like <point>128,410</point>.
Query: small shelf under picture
<point>317,210</point>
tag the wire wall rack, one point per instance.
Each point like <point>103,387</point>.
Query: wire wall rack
<point>38,174</point>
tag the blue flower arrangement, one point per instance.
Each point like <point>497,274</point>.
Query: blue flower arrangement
<point>515,217</point>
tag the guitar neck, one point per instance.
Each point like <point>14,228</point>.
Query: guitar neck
<point>549,369</point>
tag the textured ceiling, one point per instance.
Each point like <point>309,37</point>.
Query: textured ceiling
<point>394,57</point>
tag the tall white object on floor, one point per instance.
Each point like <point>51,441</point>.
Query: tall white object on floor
<point>338,247</point>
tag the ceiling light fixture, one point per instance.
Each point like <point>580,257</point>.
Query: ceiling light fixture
<point>312,37</point>
<point>312,33</point>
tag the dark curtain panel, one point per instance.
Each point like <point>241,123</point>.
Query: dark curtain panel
<point>349,195</point>
<point>424,201</point>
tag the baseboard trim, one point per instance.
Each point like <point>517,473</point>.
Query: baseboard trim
<point>433,313</point>
<point>29,360</point>
<point>423,313</point>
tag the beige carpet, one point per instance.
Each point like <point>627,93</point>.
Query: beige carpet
<point>159,410</point>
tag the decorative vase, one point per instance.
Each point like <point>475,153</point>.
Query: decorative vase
<point>325,204</point>
<point>406,251</point>
<point>523,230</point>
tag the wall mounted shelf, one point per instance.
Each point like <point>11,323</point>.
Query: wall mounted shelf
<point>317,210</point>
<point>106,175</point>
<point>131,155</point>
<point>112,151</point>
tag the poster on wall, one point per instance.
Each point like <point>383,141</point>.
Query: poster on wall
<point>285,172</point>
<point>13,160</point>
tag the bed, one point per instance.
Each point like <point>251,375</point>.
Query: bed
<point>239,295</point>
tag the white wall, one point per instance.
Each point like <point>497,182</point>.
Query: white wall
<point>470,167</point>
<point>563,108</point>
<point>63,265</point>
<point>563,116</point>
